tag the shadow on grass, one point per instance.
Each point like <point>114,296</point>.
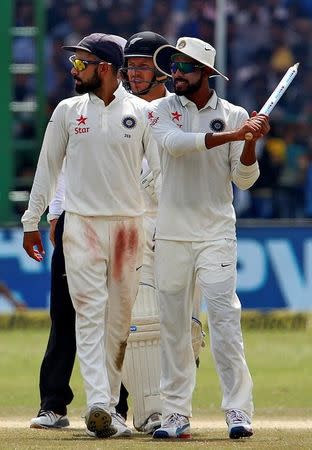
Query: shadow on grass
<point>79,435</point>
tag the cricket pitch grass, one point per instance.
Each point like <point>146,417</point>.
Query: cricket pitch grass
<point>280,363</point>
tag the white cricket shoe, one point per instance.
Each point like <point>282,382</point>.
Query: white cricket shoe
<point>152,423</point>
<point>119,423</point>
<point>99,422</point>
<point>239,423</point>
<point>174,426</point>
<point>49,419</point>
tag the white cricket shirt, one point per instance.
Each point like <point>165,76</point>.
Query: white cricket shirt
<point>196,196</point>
<point>151,203</point>
<point>56,206</point>
<point>104,147</point>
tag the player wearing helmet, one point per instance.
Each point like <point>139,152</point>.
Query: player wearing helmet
<point>140,76</point>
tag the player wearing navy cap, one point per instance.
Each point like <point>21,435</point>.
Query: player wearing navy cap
<point>103,134</point>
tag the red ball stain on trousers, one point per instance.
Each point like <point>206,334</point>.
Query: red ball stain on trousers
<point>126,245</point>
<point>92,240</point>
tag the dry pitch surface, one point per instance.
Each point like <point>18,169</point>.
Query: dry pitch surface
<point>269,434</point>
<point>197,424</point>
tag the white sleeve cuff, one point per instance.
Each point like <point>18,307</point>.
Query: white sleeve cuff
<point>51,217</point>
<point>200,142</point>
<point>245,176</point>
<point>30,221</point>
<point>30,227</point>
<point>247,171</point>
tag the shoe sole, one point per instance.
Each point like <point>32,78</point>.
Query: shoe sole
<point>99,422</point>
<point>60,424</point>
<point>240,432</point>
<point>126,433</point>
<point>152,429</point>
<point>160,434</point>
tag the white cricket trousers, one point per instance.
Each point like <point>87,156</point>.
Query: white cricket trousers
<point>147,273</point>
<point>177,265</point>
<point>103,258</point>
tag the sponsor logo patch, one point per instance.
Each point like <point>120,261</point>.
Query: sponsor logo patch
<point>81,121</point>
<point>152,119</point>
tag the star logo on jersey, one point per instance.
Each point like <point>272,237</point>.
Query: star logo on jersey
<point>81,120</point>
<point>176,116</point>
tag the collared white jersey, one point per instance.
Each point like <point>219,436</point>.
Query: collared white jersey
<point>56,206</point>
<point>151,203</point>
<point>104,147</point>
<point>196,196</point>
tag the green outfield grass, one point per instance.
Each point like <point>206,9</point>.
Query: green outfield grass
<point>281,366</point>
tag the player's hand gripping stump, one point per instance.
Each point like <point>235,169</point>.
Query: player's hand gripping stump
<point>276,94</point>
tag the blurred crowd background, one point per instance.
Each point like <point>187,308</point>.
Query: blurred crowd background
<point>264,38</point>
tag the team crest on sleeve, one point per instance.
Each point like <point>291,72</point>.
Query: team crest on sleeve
<point>217,125</point>
<point>151,118</point>
<point>129,122</point>
<point>176,116</point>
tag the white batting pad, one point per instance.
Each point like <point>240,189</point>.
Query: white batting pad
<point>198,336</point>
<point>141,367</point>
<point>196,302</point>
<point>146,304</point>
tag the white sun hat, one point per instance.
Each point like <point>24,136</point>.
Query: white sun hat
<point>195,48</point>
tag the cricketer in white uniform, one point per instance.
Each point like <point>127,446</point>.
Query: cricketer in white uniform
<point>195,232</point>
<point>103,138</point>
<point>141,370</point>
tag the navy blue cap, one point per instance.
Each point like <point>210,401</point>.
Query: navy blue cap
<point>107,47</point>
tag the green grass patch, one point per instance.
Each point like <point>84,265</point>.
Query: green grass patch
<point>251,320</point>
<point>280,362</point>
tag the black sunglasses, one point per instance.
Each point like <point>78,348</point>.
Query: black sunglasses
<point>185,67</point>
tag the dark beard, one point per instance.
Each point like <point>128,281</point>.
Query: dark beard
<point>88,86</point>
<point>189,89</point>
